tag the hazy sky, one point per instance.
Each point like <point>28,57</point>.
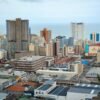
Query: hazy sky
<point>51,11</point>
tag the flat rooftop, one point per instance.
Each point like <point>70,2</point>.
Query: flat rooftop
<point>44,87</point>
<point>61,75</point>
<point>31,58</point>
<point>3,96</point>
<point>59,90</point>
<point>85,88</point>
<point>3,81</point>
<point>93,72</point>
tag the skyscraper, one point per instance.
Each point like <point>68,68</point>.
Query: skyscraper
<point>77,31</point>
<point>95,37</point>
<point>17,35</point>
<point>46,34</point>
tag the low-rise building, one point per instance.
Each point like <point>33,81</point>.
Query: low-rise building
<point>93,72</point>
<point>93,49</point>
<point>3,96</point>
<point>83,92</point>
<point>49,61</point>
<point>29,63</point>
<point>63,72</point>
<point>49,90</point>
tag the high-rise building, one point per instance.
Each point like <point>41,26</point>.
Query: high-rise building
<point>3,42</point>
<point>54,49</point>
<point>61,42</point>
<point>17,35</point>
<point>70,41</point>
<point>95,37</point>
<point>77,31</point>
<point>46,34</point>
<point>37,40</point>
<point>49,49</point>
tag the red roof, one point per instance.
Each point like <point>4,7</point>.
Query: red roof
<point>19,87</point>
<point>16,88</point>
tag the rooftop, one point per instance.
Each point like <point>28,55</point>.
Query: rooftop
<point>85,88</point>
<point>3,81</point>
<point>50,82</point>
<point>20,87</point>
<point>93,72</point>
<point>59,90</point>
<point>3,96</point>
<point>30,58</point>
<point>44,87</point>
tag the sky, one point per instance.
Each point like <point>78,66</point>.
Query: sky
<point>51,12</point>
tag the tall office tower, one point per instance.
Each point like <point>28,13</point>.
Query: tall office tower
<point>54,49</point>
<point>46,34</point>
<point>70,41</point>
<point>17,35</point>
<point>61,41</point>
<point>77,31</point>
<point>95,37</point>
<point>49,49</point>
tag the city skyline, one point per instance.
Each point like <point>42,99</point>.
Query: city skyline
<point>44,13</point>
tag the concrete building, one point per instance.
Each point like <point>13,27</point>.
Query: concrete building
<point>93,72</point>
<point>68,50</point>
<point>31,47</point>
<point>95,37</point>
<point>78,49</point>
<point>3,42</point>
<point>3,54</point>
<point>49,49</point>
<point>37,40</point>
<point>98,56</point>
<point>55,50</point>
<point>77,31</point>
<point>23,54</point>
<point>49,61</point>
<point>70,41</point>
<point>57,47</point>
<point>29,63</point>
<point>3,96</point>
<point>17,35</point>
<point>62,73</point>
<point>61,40</point>
<point>45,88</point>
<point>83,92</point>
<point>46,34</point>
<point>39,50</point>
<point>42,51</point>
<point>93,49</point>
<point>49,90</point>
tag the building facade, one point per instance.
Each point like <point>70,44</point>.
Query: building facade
<point>29,63</point>
<point>17,35</point>
<point>95,37</point>
<point>77,31</point>
<point>46,34</point>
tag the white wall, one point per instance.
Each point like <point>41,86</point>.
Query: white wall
<point>61,98</point>
<point>78,96</point>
